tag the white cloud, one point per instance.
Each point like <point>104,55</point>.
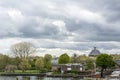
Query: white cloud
<point>60,25</point>
<point>15,14</point>
<point>81,14</point>
<point>54,47</point>
<point>57,52</point>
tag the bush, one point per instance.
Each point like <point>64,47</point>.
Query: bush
<point>73,71</point>
<point>43,70</point>
<point>56,72</point>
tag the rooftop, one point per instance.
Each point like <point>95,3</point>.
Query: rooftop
<point>94,52</point>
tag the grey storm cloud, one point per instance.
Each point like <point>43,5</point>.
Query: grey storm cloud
<point>65,11</point>
<point>77,21</point>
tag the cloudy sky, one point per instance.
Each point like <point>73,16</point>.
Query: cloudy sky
<point>58,26</point>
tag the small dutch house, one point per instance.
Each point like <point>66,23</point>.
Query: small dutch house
<point>65,67</point>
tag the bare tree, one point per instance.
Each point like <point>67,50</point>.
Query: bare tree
<point>22,49</point>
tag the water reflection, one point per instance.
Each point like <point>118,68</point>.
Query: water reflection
<point>29,78</point>
<point>33,78</point>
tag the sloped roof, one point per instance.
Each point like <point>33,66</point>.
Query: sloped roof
<point>94,52</point>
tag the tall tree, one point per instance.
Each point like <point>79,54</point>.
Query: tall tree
<point>22,49</point>
<point>64,59</point>
<point>89,64</point>
<point>74,58</point>
<point>47,61</point>
<point>104,61</point>
<point>39,63</point>
<point>4,60</point>
<point>15,61</point>
<point>24,65</point>
<point>82,58</point>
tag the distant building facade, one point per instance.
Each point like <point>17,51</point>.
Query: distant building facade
<point>54,61</point>
<point>65,67</point>
<point>68,67</point>
<point>72,67</point>
<point>94,52</point>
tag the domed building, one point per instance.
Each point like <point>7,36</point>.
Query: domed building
<point>94,52</point>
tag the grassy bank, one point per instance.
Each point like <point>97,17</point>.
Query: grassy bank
<point>21,72</point>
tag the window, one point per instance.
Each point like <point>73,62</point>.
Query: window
<point>68,69</point>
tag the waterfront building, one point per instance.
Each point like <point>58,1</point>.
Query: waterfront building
<point>65,67</point>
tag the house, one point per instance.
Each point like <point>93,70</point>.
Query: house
<point>65,67</point>
<point>68,67</point>
<point>71,67</point>
<point>94,52</point>
<point>54,62</point>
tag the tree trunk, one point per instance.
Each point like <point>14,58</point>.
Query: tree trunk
<point>102,72</point>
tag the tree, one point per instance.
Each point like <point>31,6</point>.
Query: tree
<point>64,59</point>
<point>82,58</point>
<point>116,56</point>
<point>104,61</point>
<point>24,65</point>
<point>47,61</point>
<point>39,63</point>
<point>15,61</point>
<point>74,58</point>
<point>22,49</point>
<point>89,63</point>
<point>4,60</point>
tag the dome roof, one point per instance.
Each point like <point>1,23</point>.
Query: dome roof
<point>94,52</point>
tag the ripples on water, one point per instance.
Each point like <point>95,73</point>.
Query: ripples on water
<point>35,78</point>
<point>44,78</point>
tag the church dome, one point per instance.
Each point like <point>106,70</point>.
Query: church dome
<point>94,52</point>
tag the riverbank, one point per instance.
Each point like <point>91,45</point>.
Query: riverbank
<point>23,74</point>
<point>74,76</point>
<point>43,75</point>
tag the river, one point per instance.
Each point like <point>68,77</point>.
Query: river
<point>43,78</point>
<point>34,78</point>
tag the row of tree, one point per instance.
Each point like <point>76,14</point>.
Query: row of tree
<point>23,50</point>
<point>24,64</point>
<point>42,63</point>
<point>23,60</point>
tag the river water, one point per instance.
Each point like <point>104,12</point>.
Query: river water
<point>34,78</point>
<point>43,78</point>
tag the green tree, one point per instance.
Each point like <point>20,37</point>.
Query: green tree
<point>24,65</point>
<point>4,61</point>
<point>104,61</point>
<point>39,63</point>
<point>116,56</point>
<point>82,58</point>
<point>89,63</point>
<point>74,58</point>
<point>64,59</point>
<point>47,61</point>
<point>15,61</point>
